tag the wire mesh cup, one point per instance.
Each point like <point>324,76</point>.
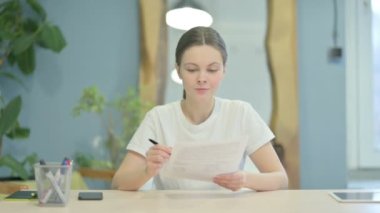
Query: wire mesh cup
<point>53,182</point>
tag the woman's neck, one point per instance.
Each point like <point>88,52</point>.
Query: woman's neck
<point>197,112</point>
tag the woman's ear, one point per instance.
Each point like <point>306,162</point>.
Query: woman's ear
<point>178,72</point>
<point>224,73</point>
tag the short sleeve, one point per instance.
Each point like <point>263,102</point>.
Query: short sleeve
<point>256,129</point>
<point>140,140</point>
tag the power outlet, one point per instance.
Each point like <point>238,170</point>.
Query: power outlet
<point>335,53</point>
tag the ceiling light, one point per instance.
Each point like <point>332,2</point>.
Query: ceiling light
<point>376,7</point>
<point>187,14</point>
<point>175,77</point>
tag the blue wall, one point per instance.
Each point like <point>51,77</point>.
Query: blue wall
<point>102,49</point>
<point>322,96</point>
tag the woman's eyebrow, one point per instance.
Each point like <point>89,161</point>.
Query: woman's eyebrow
<point>214,63</point>
<point>190,63</point>
<point>194,64</point>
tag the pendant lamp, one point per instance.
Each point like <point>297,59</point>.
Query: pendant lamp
<point>174,76</point>
<point>187,14</point>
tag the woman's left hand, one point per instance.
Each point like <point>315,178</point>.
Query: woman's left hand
<point>232,181</point>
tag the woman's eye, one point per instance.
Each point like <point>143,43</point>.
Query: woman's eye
<point>191,70</point>
<point>213,70</point>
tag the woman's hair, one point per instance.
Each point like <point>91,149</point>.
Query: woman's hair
<point>200,36</point>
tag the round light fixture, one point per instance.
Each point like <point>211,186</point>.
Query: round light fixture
<point>376,7</point>
<point>186,15</point>
<point>175,77</point>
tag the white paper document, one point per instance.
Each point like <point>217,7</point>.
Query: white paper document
<point>203,161</point>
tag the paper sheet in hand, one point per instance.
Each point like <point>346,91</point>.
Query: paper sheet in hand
<point>203,161</point>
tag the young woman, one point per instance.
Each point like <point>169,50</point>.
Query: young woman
<point>200,116</point>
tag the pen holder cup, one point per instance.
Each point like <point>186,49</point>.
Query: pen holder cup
<point>53,182</point>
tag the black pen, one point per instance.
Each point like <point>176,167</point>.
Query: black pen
<point>153,141</point>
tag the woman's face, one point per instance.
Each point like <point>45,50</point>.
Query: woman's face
<point>201,71</point>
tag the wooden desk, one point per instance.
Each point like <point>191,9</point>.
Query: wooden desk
<point>200,201</point>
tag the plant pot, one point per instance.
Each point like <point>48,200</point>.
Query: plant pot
<point>14,184</point>
<point>98,174</point>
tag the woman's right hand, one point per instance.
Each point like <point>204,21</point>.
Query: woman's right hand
<point>156,157</point>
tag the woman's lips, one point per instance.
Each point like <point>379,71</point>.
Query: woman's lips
<point>201,90</point>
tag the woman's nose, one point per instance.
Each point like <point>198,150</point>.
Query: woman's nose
<point>202,77</point>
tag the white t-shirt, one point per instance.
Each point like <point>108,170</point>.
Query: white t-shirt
<point>229,120</point>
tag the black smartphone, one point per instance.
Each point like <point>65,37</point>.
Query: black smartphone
<point>27,194</point>
<point>90,196</point>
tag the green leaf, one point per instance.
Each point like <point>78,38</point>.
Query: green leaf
<point>9,115</point>
<point>26,61</point>
<point>10,6</point>
<point>23,43</point>
<point>91,100</point>
<point>11,58</point>
<point>36,6</point>
<point>83,160</point>
<point>14,165</point>
<point>10,19</point>
<point>52,38</point>
<point>19,133</point>
<point>30,25</point>
<point>12,77</point>
<point>30,159</point>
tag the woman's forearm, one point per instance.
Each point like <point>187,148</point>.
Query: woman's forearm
<point>130,180</point>
<point>266,181</point>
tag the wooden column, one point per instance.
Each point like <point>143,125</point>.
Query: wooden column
<point>153,47</point>
<point>282,60</point>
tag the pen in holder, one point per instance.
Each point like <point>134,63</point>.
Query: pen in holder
<point>53,182</point>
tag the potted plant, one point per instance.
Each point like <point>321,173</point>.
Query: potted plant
<point>9,127</point>
<point>129,109</point>
<point>23,28</point>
